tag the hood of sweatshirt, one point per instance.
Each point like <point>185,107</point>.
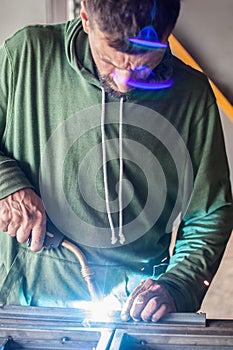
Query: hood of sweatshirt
<point>80,59</point>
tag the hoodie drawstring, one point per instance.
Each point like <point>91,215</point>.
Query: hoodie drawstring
<point>114,238</point>
<point>120,194</point>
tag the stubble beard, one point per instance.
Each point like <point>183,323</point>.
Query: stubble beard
<point>105,81</point>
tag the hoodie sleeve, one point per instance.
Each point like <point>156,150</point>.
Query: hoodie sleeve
<point>12,178</point>
<point>207,224</point>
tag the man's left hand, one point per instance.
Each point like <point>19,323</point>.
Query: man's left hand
<point>148,302</point>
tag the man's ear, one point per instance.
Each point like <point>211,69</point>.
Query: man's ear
<point>84,17</point>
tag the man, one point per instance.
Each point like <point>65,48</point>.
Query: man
<point>112,138</point>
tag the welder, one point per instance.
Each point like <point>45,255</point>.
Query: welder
<point>117,143</point>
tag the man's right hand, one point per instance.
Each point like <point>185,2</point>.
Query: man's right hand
<point>22,215</point>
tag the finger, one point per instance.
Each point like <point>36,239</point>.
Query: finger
<point>149,310</point>
<point>150,290</point>
<point>163,295</point>
<point>162,311</point>
<point>144,301</point>
<point>13,228</point>
<point>5,212</point>
<point>3,226</point>
<point>125,312</point>
<point>38,233</point>
<point>5,219</point>
<point>37,239</point>
<point>23,233</point>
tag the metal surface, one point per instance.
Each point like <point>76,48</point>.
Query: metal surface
<point>57,328</point>
<point>62,317</point>
<point>166,340</point>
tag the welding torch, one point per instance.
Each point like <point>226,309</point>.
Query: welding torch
<point>53,239</point>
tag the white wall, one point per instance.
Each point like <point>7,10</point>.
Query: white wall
<point>15,14</point>
<point>227,124</point>
<point>205,29</point>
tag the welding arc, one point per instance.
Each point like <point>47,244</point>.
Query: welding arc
<point>86,272</point>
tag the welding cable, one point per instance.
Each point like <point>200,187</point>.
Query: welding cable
<point>86,272</point>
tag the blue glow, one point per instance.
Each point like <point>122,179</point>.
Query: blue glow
<point>150,86</point>
<point>148,33</point>
<point>143,71</point>
<point>148,38</point>
<point>147,44</point>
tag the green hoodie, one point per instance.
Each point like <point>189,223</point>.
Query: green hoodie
<point>148,159</point>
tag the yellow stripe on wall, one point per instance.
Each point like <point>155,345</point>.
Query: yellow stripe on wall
<point>180,52</point>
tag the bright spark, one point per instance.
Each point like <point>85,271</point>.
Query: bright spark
<point>102,310</point>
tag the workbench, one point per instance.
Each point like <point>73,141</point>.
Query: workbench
<point>58,328</point>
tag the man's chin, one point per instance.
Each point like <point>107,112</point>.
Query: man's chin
<point>112,91</point>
